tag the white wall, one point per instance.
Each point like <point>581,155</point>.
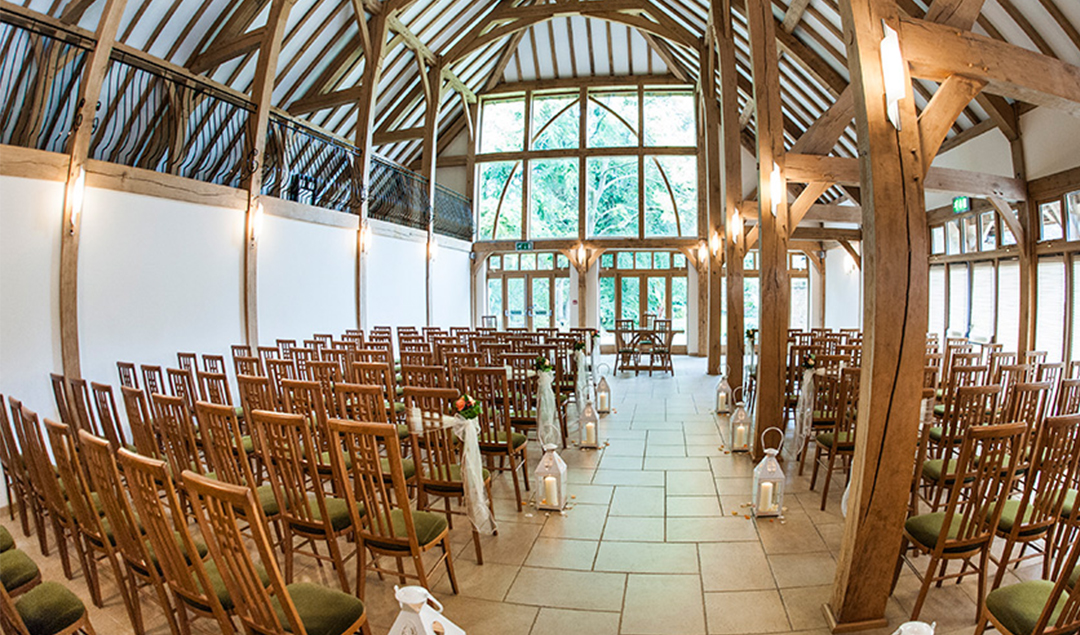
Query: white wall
<point>988,152</point>
<point>395,277</point>
<point>307,279</point>
<point>1050,141</point>
<point>450,283</point>
<point>156,276</point>
<point>30,228</point>
<point>843,291</point>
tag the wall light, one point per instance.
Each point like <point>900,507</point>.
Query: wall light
<point>432,249</point>
<point>78,194</point>
<point>256,223</point>
<point>703,253</point>
<point>736,226</point>
<point>776,187</point>
<point>715,244</point>
<point>582,255</point>
<point>365,238</point>
<point>892,68</point>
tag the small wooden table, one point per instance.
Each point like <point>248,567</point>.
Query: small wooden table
<point>640,338</point>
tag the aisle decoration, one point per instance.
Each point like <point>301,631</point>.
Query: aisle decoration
<point>740,429</point>
<point>768,495</point>
<point>546,429</point>
<point>418,616</point>
<point>581,376</point>
<point>551,480</point>
<point>466,427</point>
<point>587,427</point>
<point>804,406</point>
<point>603,397</point>
<point>724,396</point>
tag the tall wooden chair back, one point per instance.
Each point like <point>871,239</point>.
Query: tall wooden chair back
<point>224,443</point>
<point>361,402</point>
<point>326,375</point>
<point>996,361</point>
<point>302,356</point>
<point>128,376</point>
<point>377,374</point>
<point>214,388</point>
<point>285,347</point>
<point>182,385</point>
<point>440,450</point>
<point>267,353</point>
<point>307,398</point>
<point>73,479</point>
<point>82,413</point>
<point>1027,403</point>
<point>958,377</point>
<point>61,397</point>
<point>424,376</point>
<point>173,422</point>
<point>278,370</point>
<point>240,350</point>
<point>1035,358</point>
<point>153,379</point>
<point>417,357</point>
<point>140,422</point>
<point>256,393</point>
<point>491,388</point>
<point>293,471</point>
<point>455,361</point>
<point>244,365</point>
<point>107,414</point>
<point>214,363</point>
<point>187,361</point>
<point>1068,398</point>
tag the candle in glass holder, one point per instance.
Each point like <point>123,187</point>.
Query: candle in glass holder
<point>551,490</point>
<point>721,402</point>
<point>590,433</point>
<point>602,402</point>
<point>740,436</point>
<point>765,497</point>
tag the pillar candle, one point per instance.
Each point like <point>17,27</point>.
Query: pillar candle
<point>740,436</point>
<point>551,491</point>
<point>765,497</point>
<point>602,402</point>
<point>721,402</point>
<point>590,433</point>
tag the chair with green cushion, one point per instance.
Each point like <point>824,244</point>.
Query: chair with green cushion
<point>95,537</point>
<point>108,416</point>
<point>937,460</point>
<point>840,440</point>
<point>126,530</point>
<point>439,453</point>
<point>18,573</point>
<point>308,511</point>
<point>7,543</point>
<point>47,609</point>
<point>169,543</point>
<point>964,530</point>
<point>1068,397</point>
<point>826,389</point>
<point>489,387</point>
<point>957,376</point>
<point>301,608</point>
<point>172,419</point>
<point>1036,607</point>
<point>387,526</point>
<point>1035,514</point>
<point>13,465</point>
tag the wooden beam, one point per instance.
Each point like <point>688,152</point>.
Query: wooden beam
<point>1009,217</point>
<point>895,275</point>
<point>846,244</point>
<point>225,51</point>
<point>806,199</point>
<point>577,82</point>
<point>323,101</point>
<point>397,136</point>
<point>433,94</point>
<point>951,98</point>
<point>822,135</point>
<point>96,65</point>
<point>960,14</point>
<point>794,14</point>
<point>936,52</point>
<point>959,139</point>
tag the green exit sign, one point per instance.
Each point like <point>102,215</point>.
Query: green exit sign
<point>961,204</point>
<point>525,245</point>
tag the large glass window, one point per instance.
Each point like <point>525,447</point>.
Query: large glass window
<point>553,200</point>
<point>1008,304</point>
<point>669,119</point>
<point>937,300</point>
<point>502,126</point>
<point>500,200</point>
<point>958,300</point>
<point>982,301</point>
<point>1050,309</point>
<point>952,237</point>
<point>1050,220</point>
<point>671,196</point>
<point>1072,202</point>
<point>800,303</point>
<point>612,202</point>
<point>555,122</point>
<point>612,119</point>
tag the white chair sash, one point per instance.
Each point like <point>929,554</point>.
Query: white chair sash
<point>581,387</point>
<point>472,469</point>
<point>804,409</point>
<point>546,430</point>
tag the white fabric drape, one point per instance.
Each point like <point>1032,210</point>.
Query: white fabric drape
<point>581,388</point>
<point>546,430</point>
<point>804,409</point>
<point>472,468</point>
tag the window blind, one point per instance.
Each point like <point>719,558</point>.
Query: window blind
<point>1050,308</point>
<point>1008,304</point>
<point>982,300</point>
<point>958,300</point>
<point>937,300</point>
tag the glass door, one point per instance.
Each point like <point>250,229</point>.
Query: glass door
<point>515,302</point>
<point>540,302</point>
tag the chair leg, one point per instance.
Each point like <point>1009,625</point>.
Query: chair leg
<point>339,562</point>
<point>288,555</point>
<point>802,455</point>
<point>476,547</point>
<point>517,486</point>
<point>1003,563</point>
<point>421,575</point>
<point>899,566</point>
<point>450,562</point>
<point>401,570</point>
<point>828,478</point>
<point>984,560</point>
<point>361,569</point>
<point>817,463</point>
<point>928,579</point>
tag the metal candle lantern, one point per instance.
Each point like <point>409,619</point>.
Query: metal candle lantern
<point>587,425</point>
<point>724,397</point>
<point>603,397</point>
<point>768,495</point>
<point>551,480</point>
<point>418,616</point>
<point>741,429</point>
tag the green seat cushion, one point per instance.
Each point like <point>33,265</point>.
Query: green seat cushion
<point>399,390</point>
<point>939,410</point>
<point>267,501</point>
<point>16,569</point>
<point>325,459</point>
<point>49,608</point>
<point>322,611</point>
<point>429,526</point>
<point>926,529</point>
<point>517,439</point>
<point>218,584</point>
<point>7,543</point>
<point>1008,518</point>
<point>239,411</point>
<point>939,393</point>
<point>826,439</point>
<point>936,433</point>
<point>200,549</point>
<point>403,431</point>
<point>336,508</point>
<point>399,407</point>
<point>1070,504</point>
<point>408,466</point>
<point>1075,577</point>
<point>1018,606</point>
<point>932,470</point>
<point>248,443</point>
<point>455,475</point>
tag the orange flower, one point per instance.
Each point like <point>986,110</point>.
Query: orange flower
<point>460,404</point>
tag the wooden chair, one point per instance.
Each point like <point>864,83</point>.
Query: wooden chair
<point>522,382</point>
<point>248,366</point>
<point>143,435</point>
<point>661,350</point>
<point>188,361</point>
<point>308,512</point>
<point>439,474</point>
<point>455,361</point>
<point>489,386</point>
<point>380,374</point>
<point>387,525</point>
<point>1068,398</point>
<point>624,344</point>
<point>260,609</point>
<point>124,526</point>
<point>366,402</point>
<point>172,419</point>
<point>160,511</point>
<point>277,370</point>
<point>18,573</point>
<point>1036,607</point>
<point>153,379</point>
<point>240,350</point>
<point>47,609</point>
<point>89,533</point>
<point>214,388</point>
<point>424,376</point>
<point>128,377</point>
<point>214,364</point>
<point>61,397</point>
<point>826,399</point>
<point>996,361</point>
<point>107,415</point>
<point>985,469</point>
<point>325,375</point>
<point>285,347</point>
<point>308,398</point>
<point>82,413</point>
<point>1033,516</point>
<point>958,377</point>
<point>13,463</point>
<point>182,385</point>
<point>256,393</point>
<point>839,442</point>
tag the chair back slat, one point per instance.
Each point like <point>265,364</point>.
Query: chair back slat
<point>1068,398</point>
<point>173,422</point>
<point>286,439</point>
<point>128,376</point>
<point>140,422</point>
<point>490,387</point>
<point>424,376</point>
<point>108,416</point>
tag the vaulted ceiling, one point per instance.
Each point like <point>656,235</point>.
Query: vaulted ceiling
<point>322,55</point>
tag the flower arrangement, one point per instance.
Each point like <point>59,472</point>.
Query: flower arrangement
<point>579,346</point>
<point>542,365</point>
<point>751,334</point>
<point>466,407</point>
<point>594,334</point>
<point>809,362</point>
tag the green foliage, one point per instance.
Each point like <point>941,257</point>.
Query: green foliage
<point>560,133</point>
<point>612,196</point>
<point>553,198</point>
<point>502,126</point>
<point>493,179</point>
<point>612,120</point>
<point>671,209</point>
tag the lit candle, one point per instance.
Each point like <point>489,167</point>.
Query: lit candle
<point>740,436</point>
<point>590,433</point>
<point>588,344</point>
<point>551,491</point>
<point>721,402</point>
<point>602,402</point>
<point>765,497</point>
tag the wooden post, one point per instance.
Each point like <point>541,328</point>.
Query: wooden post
<point>433,91</point>
<point>1028,212</point>
<point>713,152</point>
<point>895,279</point>
<point>732,187</point>
<point>261,90</point>
<point>93,77</point>
<point>472,111</point>
<point>374,32</point>
<point>773,312</point>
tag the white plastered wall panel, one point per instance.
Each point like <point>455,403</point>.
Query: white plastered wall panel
<point>450,287</point>
<point>396,277</point>
<point>156,276</point>
<point>307,279</point>
<point>843,290</point>
<point>30,229</point>
<point>988,152</point>
<point>1050,141</point>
